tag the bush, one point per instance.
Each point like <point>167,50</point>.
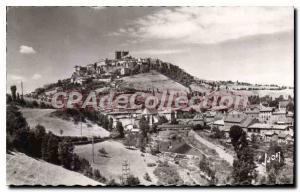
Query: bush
<point>217,134</point>
<point>151,164</point>
<point>102,151</point>
<point>133,181</point>
<point>35,104</point>
<point>168,175</point>
<point>147,177</point>
<point>112,182</point>
<point>98,176</point>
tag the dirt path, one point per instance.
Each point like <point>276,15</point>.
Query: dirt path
<point>221,152</point>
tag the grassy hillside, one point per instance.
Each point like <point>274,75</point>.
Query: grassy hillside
<point>54,124</point>
<point>111,164</point>
<point>152,80</point>
<point>24,170</point>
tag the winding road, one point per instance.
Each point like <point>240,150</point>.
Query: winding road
<point>221,152</point>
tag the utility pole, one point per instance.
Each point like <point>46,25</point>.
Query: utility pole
<point>93,153</point>
<point>125,172</point>
<point>22,88</point>
<point>81,125</point>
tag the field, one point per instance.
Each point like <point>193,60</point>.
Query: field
<point>199,88</point>
<point>110,165</point>
<point>152,80</point>
<point>272,93</point>
<point>24,170</point>
<point>55,125</point>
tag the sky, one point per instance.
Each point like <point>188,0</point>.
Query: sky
<point>251,44</point>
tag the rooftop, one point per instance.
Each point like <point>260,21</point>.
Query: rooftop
<point>219,122</point>
<point>267,126</point>
<point>234,118</point>
<point>173,126</point>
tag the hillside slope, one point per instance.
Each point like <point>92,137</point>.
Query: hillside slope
<point>117,153</point>
<point>152,80</point>
<point>24,170</point>
<point>55,124</point>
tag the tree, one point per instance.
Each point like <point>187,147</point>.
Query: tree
<point>98,176</point>
<point>130,140</point>
<point>173,118</point>
<point>13,90</point>
<point>243,167</point>
<point>147,177</point>
<point>133,181</point>
<point>52,149</point>
<point>112,182</point>
<point>120,129</point>
<point>110,124</point>
<point>39,133</point>
<point>8,99</point>
<point>238,138</point>
<point>16,129</point>
<point>105,123</point>
<point>204,166</point>
<point>290,106</point>
<point>59,83</point>
<point>274,167</point>
<point>35,104</point>
<point>43,105</point>
<point>216,133</point>
<point>65,153</point>
<point>162,120</point>
<point>44,148</point>
<point>18,98</point>
<point>144,126</point>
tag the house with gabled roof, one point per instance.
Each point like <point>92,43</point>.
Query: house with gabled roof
<point>262,129</point>
<point>285,138</point>
<point>252,112</point>
<point>265,113</point>
<point>231,120</point>
<point>197,120</point>
<point>270,136</point>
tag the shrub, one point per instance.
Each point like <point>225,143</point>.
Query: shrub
<point>147,177</point>
<point>168,175</point>
<point>102,151</point>
<point>133,181</point>
<point>151,164</point>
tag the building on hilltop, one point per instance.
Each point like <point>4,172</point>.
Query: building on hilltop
<point>121,54</point>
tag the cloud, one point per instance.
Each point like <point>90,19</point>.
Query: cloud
<point>210,24</point>
<point>160,51</point>
<point>13,79</point>
<point>16,77</point>
<point>36,76</point>
<point>27,50</point>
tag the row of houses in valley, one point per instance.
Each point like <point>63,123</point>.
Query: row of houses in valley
<point>264,122</point>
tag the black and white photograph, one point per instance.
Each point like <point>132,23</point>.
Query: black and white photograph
<point>145,96</point>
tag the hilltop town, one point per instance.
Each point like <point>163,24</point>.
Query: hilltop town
<point>190,145</point>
